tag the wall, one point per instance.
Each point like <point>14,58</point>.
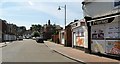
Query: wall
<point>68,36</point>
<point>62,37</point>
<point>0,30</point>
<point>55,38</point>
<point>97,9</point>
<point>79,37</point>
<point>105,37</point>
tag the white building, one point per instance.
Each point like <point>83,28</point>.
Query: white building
<point>105,25</point>
<point>97,9</point>
<point>79,34</point>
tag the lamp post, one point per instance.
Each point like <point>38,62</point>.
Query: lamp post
<point>65,11</point>
<point>64,21</point>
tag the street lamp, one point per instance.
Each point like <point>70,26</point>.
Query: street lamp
<point>65,21</point>
<point>65,11</point>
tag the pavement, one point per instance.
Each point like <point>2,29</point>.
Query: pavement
<point>79,55</point>
<point>2,44</point>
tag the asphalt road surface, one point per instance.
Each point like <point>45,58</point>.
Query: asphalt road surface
<point>28,51</point>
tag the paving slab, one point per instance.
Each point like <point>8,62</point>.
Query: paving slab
<point>80,55</point>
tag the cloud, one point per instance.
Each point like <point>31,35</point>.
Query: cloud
<point>30,3</point>
<point>42,11</point>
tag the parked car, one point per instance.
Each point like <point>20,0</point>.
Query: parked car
<point>20,38</point>
<point>39,40</point>
<point>33,38</point>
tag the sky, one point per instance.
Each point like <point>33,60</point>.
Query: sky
<point>28,12</point>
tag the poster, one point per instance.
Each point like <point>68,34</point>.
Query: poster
<point>113,47</point>
<point>106,38</point>
<point>98,34</point>
<point>113,31</point>
<point>98,31</point>
<point>80,41</point>
<point>98,46</point>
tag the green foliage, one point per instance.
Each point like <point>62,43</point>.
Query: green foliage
<point>35,34</point>
<point>36,27</point>
<point>56,32</point>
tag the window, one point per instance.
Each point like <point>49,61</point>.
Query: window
<point>82,23</point>
<point>76,24</point>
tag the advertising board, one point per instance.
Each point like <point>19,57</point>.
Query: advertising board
<point>113,47</point>
<point>80,41</point>
<point>106,38</point>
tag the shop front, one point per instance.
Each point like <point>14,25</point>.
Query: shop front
<point>105,35</point>
<point>79,36</point>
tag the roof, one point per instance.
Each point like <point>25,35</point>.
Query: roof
<point>58,27</point>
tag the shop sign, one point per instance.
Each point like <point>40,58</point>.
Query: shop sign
<point>100,22</point>
<point>105,21</point>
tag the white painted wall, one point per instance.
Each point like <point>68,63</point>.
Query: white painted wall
<point>62,38</point>
<point>97,9</point>
<point>75,34</point>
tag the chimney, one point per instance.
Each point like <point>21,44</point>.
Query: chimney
<point>48,22</point>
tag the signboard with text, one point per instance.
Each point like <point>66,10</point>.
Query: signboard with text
<point>106,37</point>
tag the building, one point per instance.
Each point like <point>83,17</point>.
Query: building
<point>27,34</point>
<point>103,19</point>
<point>8,31</point>
<point>49,30</point>
<point>68,35</point>
<point>55,36</point>
<point>11,32</point>
<point>62,37</point>
<point>79,34</point>
<point>4,30</point>
<point>21,30</point>
<point>0,30</point>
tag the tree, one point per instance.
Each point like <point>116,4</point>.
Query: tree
<point>36,27</point>
<point>35,34</point>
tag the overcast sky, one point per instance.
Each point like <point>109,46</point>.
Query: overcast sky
<point>27,12</point>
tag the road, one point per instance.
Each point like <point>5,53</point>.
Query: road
<point>30,51</point>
